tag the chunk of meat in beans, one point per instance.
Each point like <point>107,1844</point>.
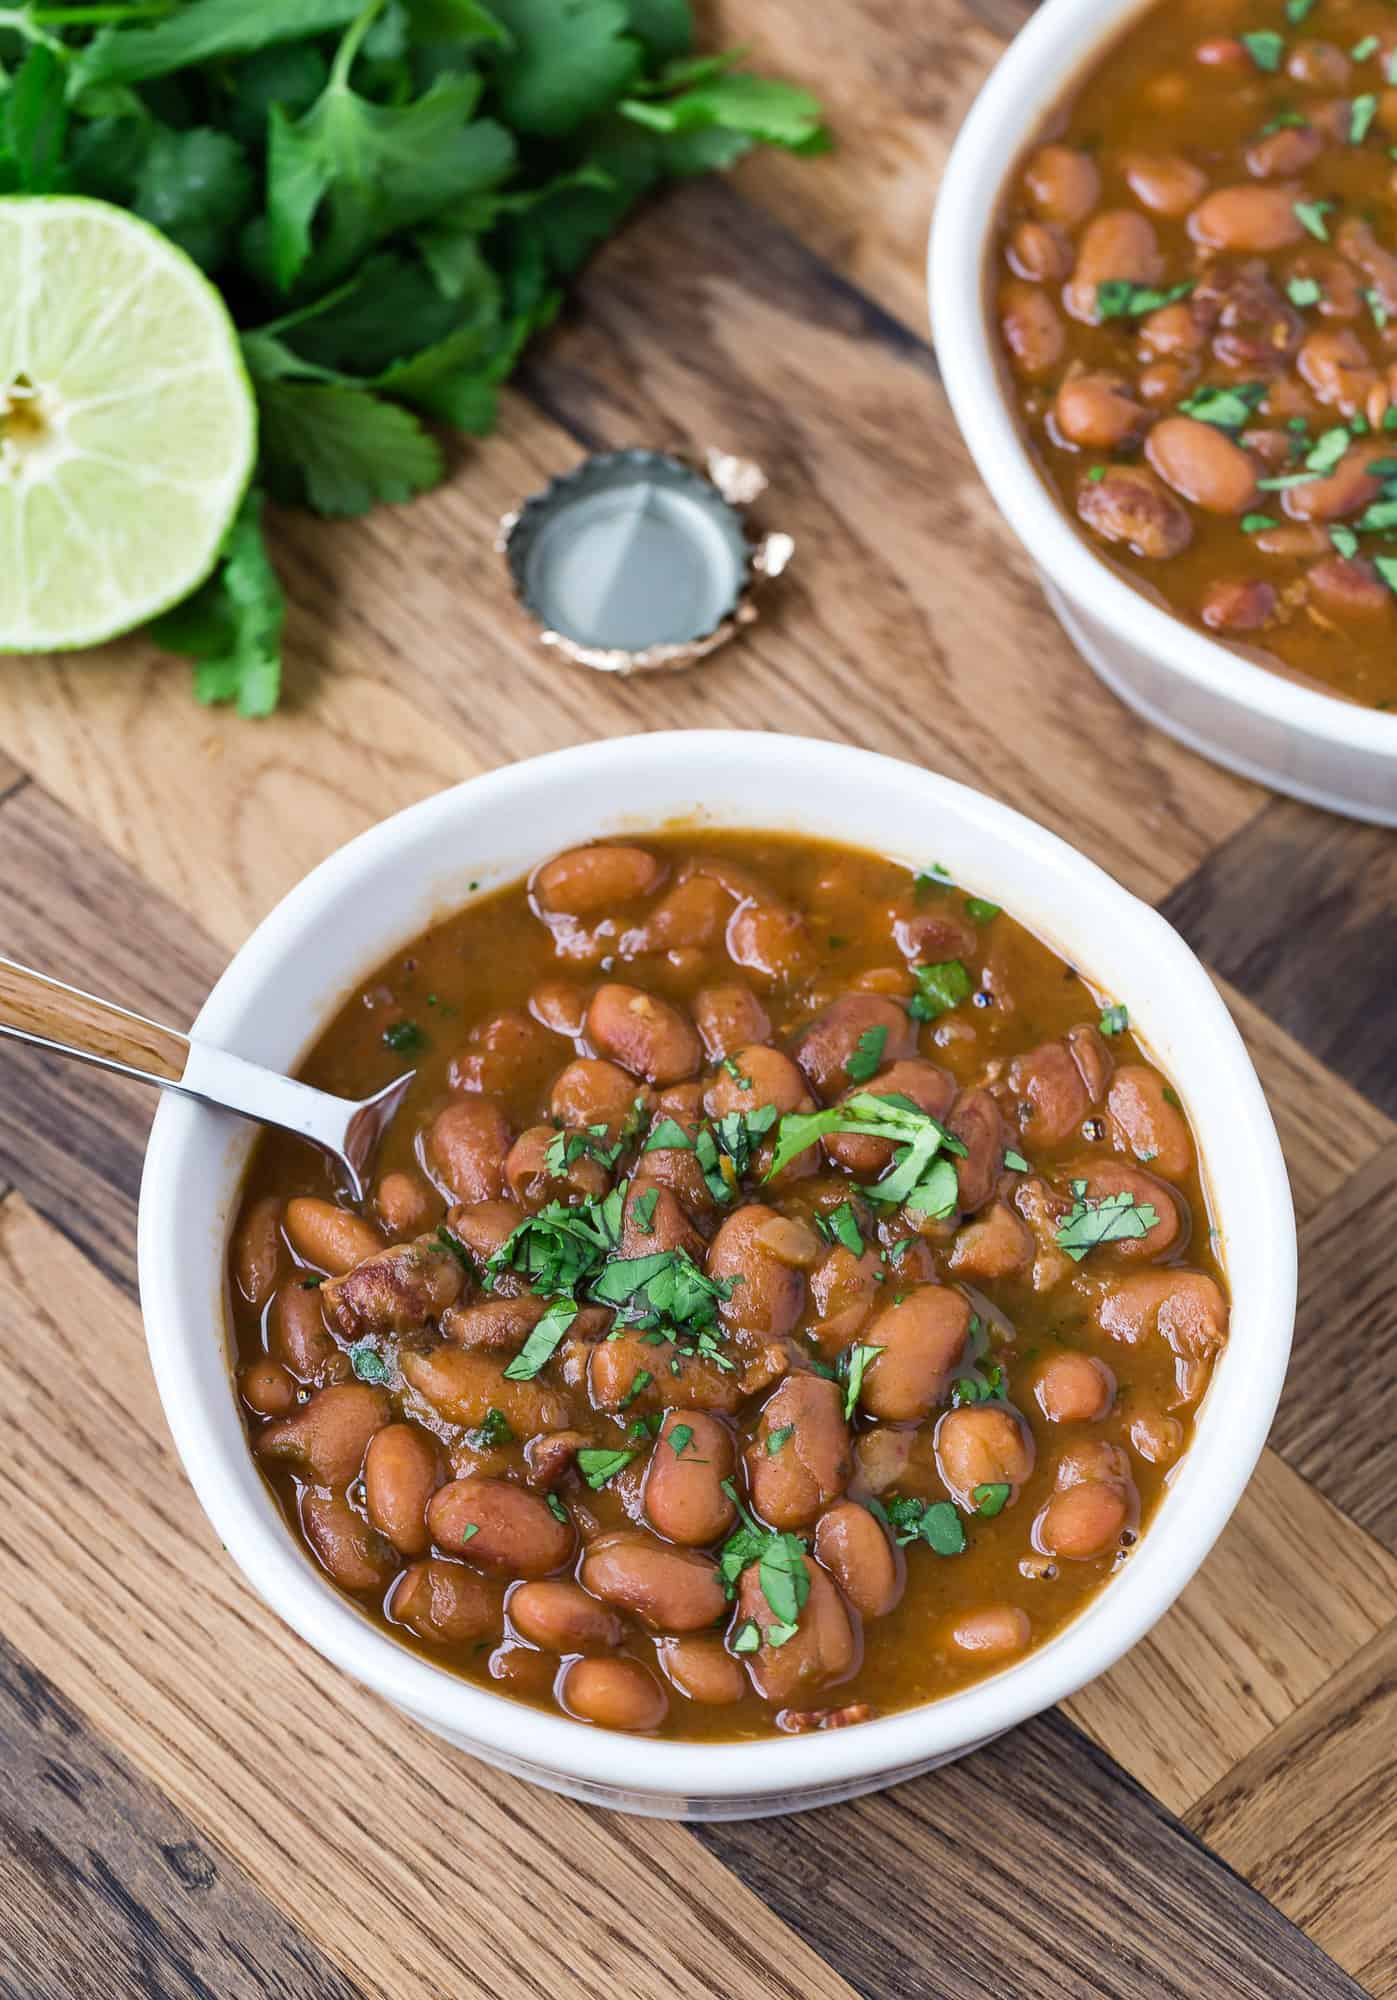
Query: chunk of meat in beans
<point>603,1424</point>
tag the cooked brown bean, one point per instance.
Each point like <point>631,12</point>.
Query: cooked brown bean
<point>355,1554</point>
<point>655,1219</point>
<point>856,1551</point>
<point>561,1617</point>
<point>1104,1179</point>
<point>402,1470</point>
<point>589,1092</point>
<point>329,1238</point>
<point>586,880</point>
<point>1082,1521</point>
<point>559,1006</point>
<point>1348,586</point>
<point>268,1388</point>
<point>643,1033</point>
<point>997,1244</point>
<point>1202,464</point>
<point>1319,64</point>
<point>1041,252</point>
<point>482,1226</point>
<point>1096,410</point>
<point>1287,151</point>
<point>824,1047</point>
<point>534,1183</point>
<point>700,1667</point>
<point>1185,1308</point>
<point>824,1648</point>
<point>922,1339</point>
<point>1074,1388</point>
<point>406,1205</point>
<point>668,1589</point>
<point>1247,218</point>
<point>1338,368</point>
<point>1130,504</point>
<point>463,1386</point>
<point>981,1445</point>
<point>1054,1095</point>
<point>767,1294</point>
<point>931,1088</point>
<point>1142,1121</point>
<point>683,1496</point>
<point>930,937</point>
<point>992,1632</point>
<point>1157,1438</point>
<point>811,1463</point>
<point>326,1439</point>
<point>258,1251</point>
<point>728,1017</point>
<point>466,1148</point>
<point>394,1291</point>
<point>499,1526</point>
<point>1347,490</point>
<point>298,1337</point>
<point>445,1602</point>
<point>638,1376</point>
<point>1032,327</point>
<point>1063,184</point>
<point>1165,182</point>
<point>763,1076</point>
<point>509,1052</point>
<point>1239,604</point>
<point>615,1694</point>
<point>843,1291</point>
<point>975,1119</point>
<point>496,1325</point>
<point>1118,244</point>
<point>769,939</point>
<point>690,917</point>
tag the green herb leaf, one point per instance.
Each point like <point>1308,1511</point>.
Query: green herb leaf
<point>853,1364</point>
<point>867,1057</point>
<point>1361,50</point>
<point>1117,298</point>
<point>562,1246</point>
<point>784,1577</point>
<point>680,1438</point>
<point>643,1211</point>
<point>597,1467</point>
<point>990,1499</point>
<point>1362,112</point>
<point>34,124</point>
<point>1257,524</point>
<point>934,1522</point>
<point>494,1432</point>
<point>343,451</point>
<point>669,1136</point>
<point>1115,1019</point>
<point>979,911</point>
<point>542,1343</point>
<point>1328,449</point>
<point>843,1225</point>
<point>201,31</point>
<point>1304,292</point>
<point>558,1510</point>
<point>1297,11</point>
<point>747,1638</point>
<point>1386,567</point>
<point>778,1438</point>
<point>404,1037</point>
<point>368,1364</point>
<point>1114,1218</point>
<point>471,1528</point>
<point>1344,539</point>
<point>1310,215</point>
<point>231,627</point>
<point>1229,408</point>
<point>1265,47</point>
<point>939,989</point>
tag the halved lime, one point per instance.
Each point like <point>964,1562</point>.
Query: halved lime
<point>128,427</point>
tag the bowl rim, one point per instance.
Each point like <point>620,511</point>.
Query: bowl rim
<point>256,1537</point>
<point>1031,77</point>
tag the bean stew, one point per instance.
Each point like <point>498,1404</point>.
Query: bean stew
<point>786,1289</point>
<point>1196,289</point>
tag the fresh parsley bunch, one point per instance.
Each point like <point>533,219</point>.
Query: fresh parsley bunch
<point>391,196</point>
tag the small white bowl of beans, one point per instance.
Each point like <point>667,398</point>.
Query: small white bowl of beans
<point>367,904</point>
<point>1161,315</point>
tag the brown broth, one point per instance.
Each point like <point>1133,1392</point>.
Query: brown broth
<point>487,959</point>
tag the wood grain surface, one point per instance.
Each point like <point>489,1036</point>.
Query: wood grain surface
<point>194,1806</point>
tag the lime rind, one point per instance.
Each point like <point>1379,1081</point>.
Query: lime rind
<point>129,427</point>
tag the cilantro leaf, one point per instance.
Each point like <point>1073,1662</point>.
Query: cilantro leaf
<point>1114,1218</point>
<point>934,1522</point>
<point>1117,298</point>
<point>843,1225</point>
<point>570,60</point>
<point>196,186</point>
<point>598,1467</point>
<point>756,106</point>
<point>1115,1019</point>
<point>200,31</point>
<point>939,989</point>
<point>368,1364</point>
<point>543,1341</point>
<point>343,451</point>
<point>34,125</point>
<point>231,627</point>
<point>853,1364</point>
<point>867,1057</point>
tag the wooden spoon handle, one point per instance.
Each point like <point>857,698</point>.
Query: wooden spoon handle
<point>38,1009</point>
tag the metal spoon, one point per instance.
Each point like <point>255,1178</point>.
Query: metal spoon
<point>35,1008</point>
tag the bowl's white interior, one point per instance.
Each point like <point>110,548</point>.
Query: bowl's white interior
<point>388,885</point>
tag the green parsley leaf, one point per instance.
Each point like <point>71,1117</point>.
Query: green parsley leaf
<point>1265,47</point>
<point>680,1438</point>
<point>867,1057</point>
<point>1114,1218</point>
<point>990,1499</point>
<point>1115,1019</point>
<point>918,1177</point>
<point>1016,1163</point>
<point>1310,215</point>
<point>843,1225</point>
<point>666,1285</point>
<point>939,989</point>
<point>1117,298</point>
<point>343,451</point>
<point>368,1364</point>
<point>979,911</point>
<point>404,1037</point>
<point>542,1343</point>
<point>853,1364</point>
<point>561,1247</point>
<point>934,1522</point>
<point>1328,449</point>
<point>597,1467</point>
<point>1362,112</point>
<point>1229,408</point>
<point>495,1431</point>
<point>778,1438</point>
<point>784,1577</point>
<point>1304,291</point>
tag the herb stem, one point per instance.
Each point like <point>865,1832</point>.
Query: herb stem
<point>349,45</point>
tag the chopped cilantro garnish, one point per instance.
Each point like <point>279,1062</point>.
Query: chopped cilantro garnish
<point>867,1056</point>
<point>1257,524</point>
<point>1016,1163</point>
<point>558,1249</point>
<point>558,1510</point>
<point>1328,449</point>
<point>989,1499</point>
<point>843,1225</point>
<point>934,1522</point>
<point>1362,50</point>
<point>1386,567</point>
<point>1377,307</point>
<point>368,1364</point>
<point>471,1528</point>
<point>1265,47</point>
<point>680,1438</point>
<point>1228,408</point>
<point>543,1341</point>
<point>778,1438</point>
<point>1117,298</point>
<point>1114,1218</point>
<point>853,1363</point>
<point>643,1211</point>
<point>939,989</point>
<point>747,1638</point>
<point>1304,291</point>
<point>1344,539</point>
<point>665,1286</point>
<point>1310,215</point>
<point>1096,474</point>
<point>979,911</point>
<point>1115,1019</point>
<point>1362,112</point>
<point>495,1430</point>
<point>597,1467</point>
<point>404,1038</point>
<point>730,1065</point>
<point>569,1147</point>
<point>934,877</point>
<point>921,1176</point>
<point>669,1136</point>
<point>1298,10</point>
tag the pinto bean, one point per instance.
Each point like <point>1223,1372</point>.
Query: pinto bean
<point>975,1119</point>
<point>667,1225</point>
<point>1239,604</point>
<point>445,1603</point>
<point>466,1147</point>
<point>463,1386</point>
<point>824,1047</point>
<point>482,1226</point>
<point>329,1238</point>
<point>616,1367</point>
<point>1285,152</point>
<point>981,1445</point>
<point>395,1290</point>
<point>499,1526</point>
<point>1348,586</point>
<point>931,1088</point>
<point>922,1340</point>
<point>1040,252</point>
<point>532,1181</point>
<point>1083,1521</point>
<point>811,1466</point>
<point>355,1554</point>
<point>402,1470</point>
<point>1096,411</point>
<point>615,1694</point>
<point>406,1205</point>
<point>559,1616</point>
<point>1105,1178</point>
<point>1063,184</point>
<point>930,937</point>
<point>764,1076</point>
<point>1202,464</point>
<point>1157,1438</point>
<point>1348,489</point>
<point>843,1289</point>
<point>856,1551</point>
<point>1043,1209</point>
<point>559,1006</point>
<point>1336,366</point>
<point>588,880</point>
<point>1143,1122</point>
<point>1172,330</point>
<point>769,939</point>
<point>298,1337</point>
<point>882,1456</point>
<point>327,1438</point>
<point>1185,1308</point>
<point>589,1092</point>
<point>729,1017</point>
<point>1117,244</point>
<point>495,1325</point>
<point>823,1648</point>
<point>268,1388</point>
<point>1130,504</point>
<point>1165,182</point>
<point>258,1251</point>
<point>1319,64</point>
<point>683,1495</point>
<point>700,1666</point>
<point>1074,1388</point>
<point>510,1052</point>
<point>1052,1092</point>
<point>1032,328</point>
<point>690,917</point>
<point>1248,218</point>
<point>995,1245</point>
<point>991,1631</point>
<point>668,1589</point>
<point>768,1295</point>
<point>643,1033</point>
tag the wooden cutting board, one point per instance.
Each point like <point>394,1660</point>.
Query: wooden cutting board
<point>192,1805</point>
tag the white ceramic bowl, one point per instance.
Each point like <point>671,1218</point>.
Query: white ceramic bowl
<point>383,889</point>
<point>1320,748</point>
